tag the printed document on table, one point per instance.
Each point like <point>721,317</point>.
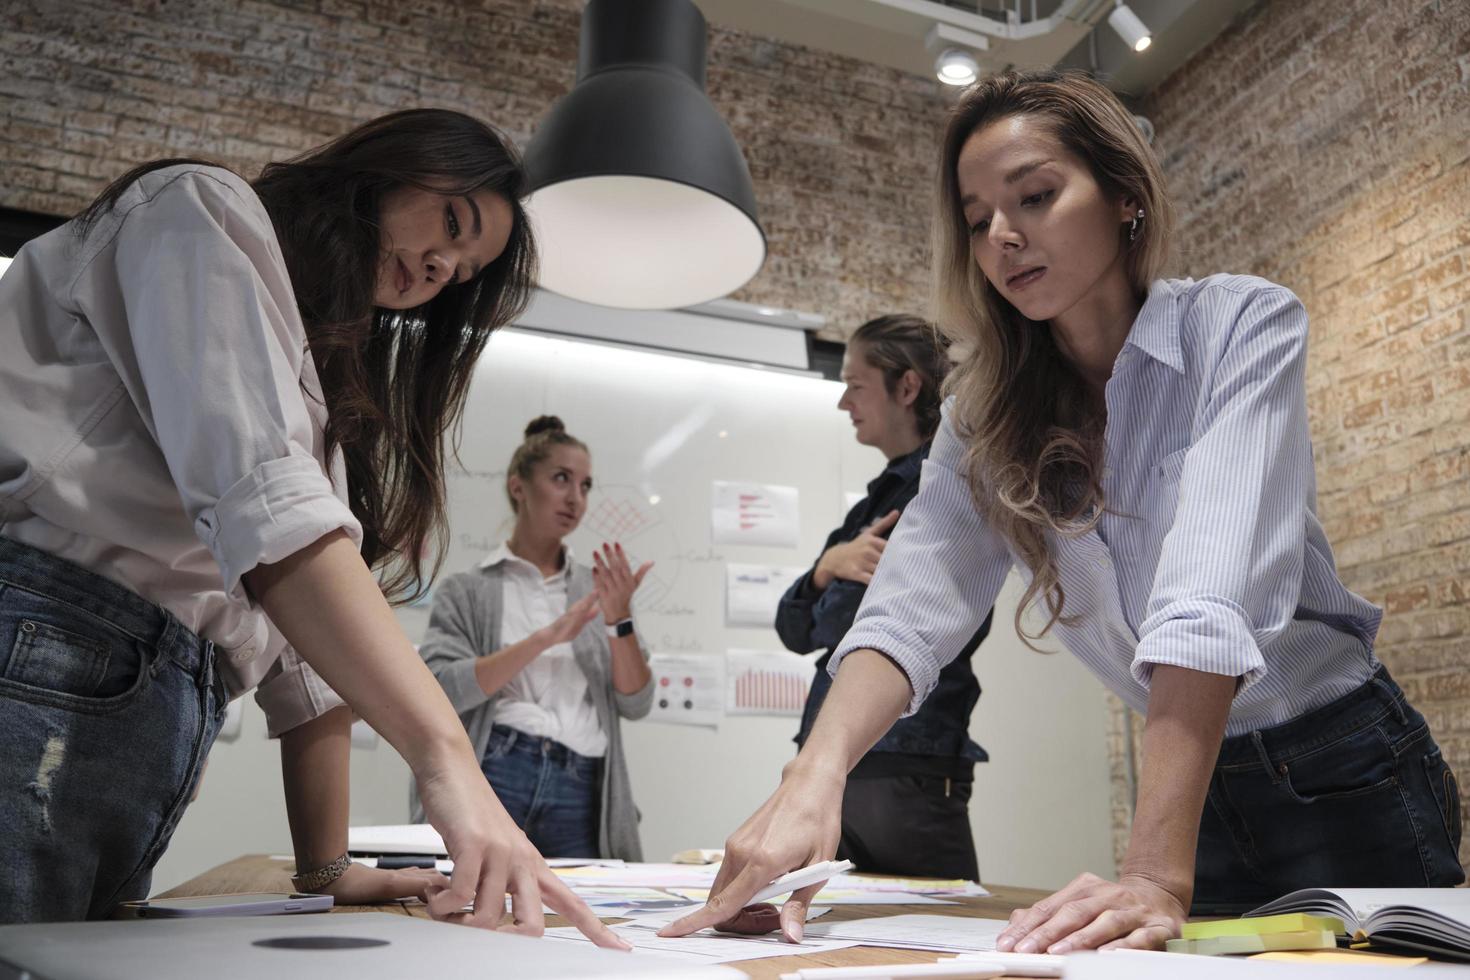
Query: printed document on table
<point>838,896</point>
<point>706,948</point>
<point>943,933</point>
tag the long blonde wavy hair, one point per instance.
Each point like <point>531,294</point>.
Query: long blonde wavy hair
<point>1033,430</point>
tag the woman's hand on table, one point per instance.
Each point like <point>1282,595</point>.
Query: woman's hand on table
<point>492,858</point>
<point>362,885</point>
<point>799,825</point>
<point>1094,913</point>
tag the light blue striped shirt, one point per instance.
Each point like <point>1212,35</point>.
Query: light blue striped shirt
<point>1222,566</point>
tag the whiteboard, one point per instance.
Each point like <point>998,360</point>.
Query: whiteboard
<point>662,428</point>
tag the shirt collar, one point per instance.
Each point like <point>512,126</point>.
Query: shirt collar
<point>900,467</point>
<point>503,554</point>
<point>1157,327</point>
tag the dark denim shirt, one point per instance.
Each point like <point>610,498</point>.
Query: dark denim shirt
<point>808,620</point>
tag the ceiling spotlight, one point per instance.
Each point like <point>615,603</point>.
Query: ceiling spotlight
<point>956,67</point>
<point>1132,30</point>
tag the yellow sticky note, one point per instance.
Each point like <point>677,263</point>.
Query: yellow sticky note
<point>1290,922</point>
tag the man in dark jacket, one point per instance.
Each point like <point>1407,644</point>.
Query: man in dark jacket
<point>906,807</point>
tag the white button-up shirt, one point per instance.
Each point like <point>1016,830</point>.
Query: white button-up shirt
<point>161,418</point>
<point>548,698</point>
<point>1209,554</point>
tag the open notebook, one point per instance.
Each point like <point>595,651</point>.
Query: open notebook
<point>1435,920</point>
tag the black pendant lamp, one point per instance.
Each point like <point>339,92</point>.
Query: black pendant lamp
<point>640,195</point>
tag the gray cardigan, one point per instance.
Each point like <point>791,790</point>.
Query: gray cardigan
<point>465,625</point>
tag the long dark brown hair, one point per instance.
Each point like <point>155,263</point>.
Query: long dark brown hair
<point>394,381</point>
<point>1034,434</point>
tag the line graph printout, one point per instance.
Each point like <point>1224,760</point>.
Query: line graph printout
<point>761,682</point>
<point>754,514</point>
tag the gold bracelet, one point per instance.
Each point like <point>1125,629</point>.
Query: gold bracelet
<point>315,881</point>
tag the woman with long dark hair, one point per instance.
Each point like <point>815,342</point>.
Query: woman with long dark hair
<point>225,406</point>
<point>1138,449</point>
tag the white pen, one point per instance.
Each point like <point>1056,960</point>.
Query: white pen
<point>1018,964</point>
<point>951,970</point>
<point>800,878</point>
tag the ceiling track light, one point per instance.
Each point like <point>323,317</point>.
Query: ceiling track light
<point>954,53</point>
<point>956,67</point>
<point>1132,30</point>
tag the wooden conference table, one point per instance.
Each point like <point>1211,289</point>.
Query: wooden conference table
<point>258,873</point>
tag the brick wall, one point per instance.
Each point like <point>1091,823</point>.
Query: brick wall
<point>1325,144</point>
<point>841,151</point>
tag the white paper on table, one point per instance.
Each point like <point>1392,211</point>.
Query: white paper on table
<point>766,682</point>
<point>585,862</point>
<point>688,688</point>
<point>1138,964</point>
<point>665,876</point>
<point>951,887</point>
<point>752,592</point>
<point>636,902</point>
<point>754,514</point>
<point>442,865</point>
<point>944,933</point>
<point>413,838</point>
<point>657,920</point>
<point>838,896</point>
<point>703,948</point>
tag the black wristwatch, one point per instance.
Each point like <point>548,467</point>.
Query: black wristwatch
<point>623,627</point>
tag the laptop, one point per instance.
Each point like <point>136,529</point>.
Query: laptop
<point>349,946</point>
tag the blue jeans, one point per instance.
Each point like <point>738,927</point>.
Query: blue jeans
<point>552,793</point>
<point>108,707</point>
<point>1353,794</point>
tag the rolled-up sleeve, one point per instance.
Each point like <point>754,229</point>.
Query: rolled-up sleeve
<point>938,577</point>
<point>211,348</point>
<point>291,694</point>
<point>1230,572</point>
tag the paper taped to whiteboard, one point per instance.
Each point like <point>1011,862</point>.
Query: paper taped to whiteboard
<point>754,514</point>
<point>761,682</point>
<point>688,688</point>
<point>752,592</point>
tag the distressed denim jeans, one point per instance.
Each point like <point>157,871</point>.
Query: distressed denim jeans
<point>108,707</point>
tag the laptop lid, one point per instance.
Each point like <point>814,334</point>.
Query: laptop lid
<point>350,946</point>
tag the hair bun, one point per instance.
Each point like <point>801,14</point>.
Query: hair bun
<point>544,423</point>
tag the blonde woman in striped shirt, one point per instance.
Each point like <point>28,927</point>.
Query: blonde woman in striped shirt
<point>1138,449</point>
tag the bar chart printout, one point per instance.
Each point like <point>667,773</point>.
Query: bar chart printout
<point>760,682</point>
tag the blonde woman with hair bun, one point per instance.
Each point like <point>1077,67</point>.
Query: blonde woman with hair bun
<point>539,656</point>
<point>1138,449</point>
